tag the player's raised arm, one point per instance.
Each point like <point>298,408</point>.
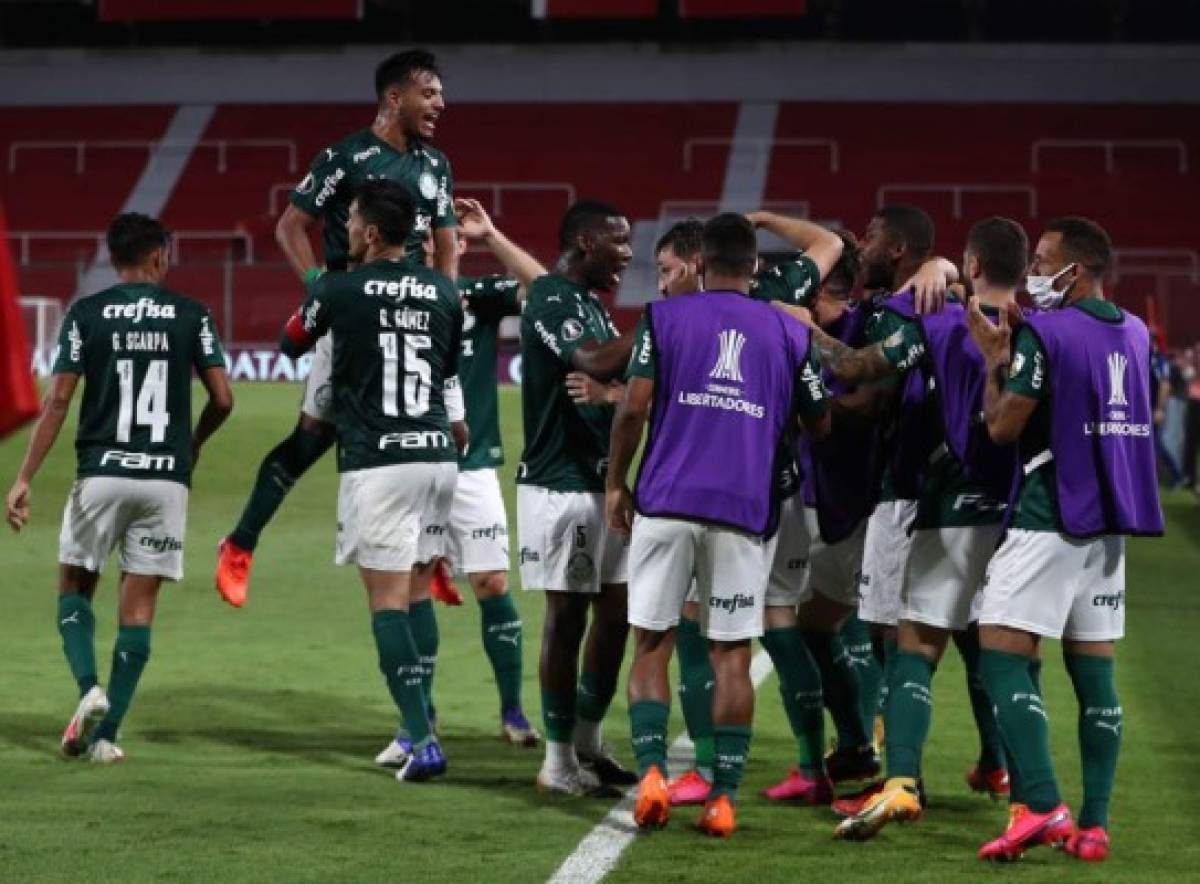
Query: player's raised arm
<point>54,411</point>
<point>476,224</point>
<point>291,232</point>
<point>821,245</point>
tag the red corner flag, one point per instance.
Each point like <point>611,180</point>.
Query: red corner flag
<point>18,393</point>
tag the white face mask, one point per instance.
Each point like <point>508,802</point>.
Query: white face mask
<point>1041,290</point>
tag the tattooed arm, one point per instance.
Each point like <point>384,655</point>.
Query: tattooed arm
<point>850,365</point>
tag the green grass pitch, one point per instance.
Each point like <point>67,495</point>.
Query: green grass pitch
<point>250,741</point>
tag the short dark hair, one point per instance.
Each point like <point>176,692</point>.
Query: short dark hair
<point>132,236</point>
<point>729,244</point>
<point>845,271</point>
<point>910,224</point>
<point>584,217</point>
<point>1083,242</point>
<point>683,238</point>
<point>398,69</point>
<point>1002,249</point>
<point>388,206</point>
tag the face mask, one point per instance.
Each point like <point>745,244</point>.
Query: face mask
<point>1041,290</point>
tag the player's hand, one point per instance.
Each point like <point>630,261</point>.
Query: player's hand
<point>993,341</point>
<point>803,314</point>
<point>618,510</point>
<point>473,220</point>
<point>17,505</point>
<point>928,286</point>
<point>586,390</point>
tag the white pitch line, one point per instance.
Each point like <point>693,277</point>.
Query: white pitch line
<point>598,852</point>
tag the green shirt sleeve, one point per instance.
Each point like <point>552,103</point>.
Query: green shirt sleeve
<point>554,316</point>
<point>812,397</point>
<point>70,345</point>
<point>491,298</point>
<point>327,181</point>
<point>208,350</point>
<point>793,282</point>
<point>904,347</point>
<point>1027,373</point>
<point>641,361</point>
<point>443,215</point>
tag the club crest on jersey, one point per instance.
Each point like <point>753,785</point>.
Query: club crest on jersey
<point>427,184</point>
<point>729,358</point>
<point>1117,363</point>
<point>572,330</point>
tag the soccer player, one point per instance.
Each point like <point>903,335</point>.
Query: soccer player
<point>478,538</point>
<point>395,147</point>
<point>796,281</point>
<point>959,511</point>
<point>135,345</point>
<point>724,378</point>
<point>1073,392</point>
<point>396,332</point>
<point>566,548</point>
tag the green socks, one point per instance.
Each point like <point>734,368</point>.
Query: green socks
<point>800,690</point>
<point>991,747</point>
<point>732,744</point>
<point>696,682</point>
<point>648,730</point>
<point>908,714</point>
<point>596,692</point>
<point>501,626</point>
<point>1024,724</point>
<point>857,640</point>
<point>1100,720</point>
<point>130,653</point>
<point>280,469</point>
<point>840,685</point>
<point>423,623</point>
<point>558,715</point>
<point>401,667</point>
<point>77,626</point>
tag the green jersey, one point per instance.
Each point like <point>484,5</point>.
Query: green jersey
<point>794,282</point>
<point>136,346</point>
<point>948,499</point>
<point>336,173</point>
<point>566,445</point>
<point>397,329</point>
<point>884,327</point>
<point>486,300</point>
<point>1036,508</point>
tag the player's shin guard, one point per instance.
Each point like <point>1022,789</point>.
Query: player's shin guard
<point>1100,721</point>
<point>908,714</point>
<point>77,626</point>
<point>991,746</point>
<point>502,641</point>
<point>696,681</point>
<point>130,653</point>
<point>648,731</point>
<point>283,465</point>
<point>857,639</point>
<point>423,623</point>
<point>401,667</point>
<point>732,744</point>
<point>1024,724</point>
<point>840,684</point>
<point>800,691</point>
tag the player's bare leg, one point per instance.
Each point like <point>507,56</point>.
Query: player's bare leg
<point>603,653</point>
<point>558,667</point>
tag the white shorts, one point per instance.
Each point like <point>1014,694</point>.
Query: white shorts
<point>478,538</point>
<point>945,573</point>
<point>885,553</point>
<point>565,542</point>
<point>833,569</point>
<point>145,518</point>
<point>318,386</point>
<point>729,569</point>
<point>789,559</point>
<point>1057,586</point>
<point>392,518</point>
